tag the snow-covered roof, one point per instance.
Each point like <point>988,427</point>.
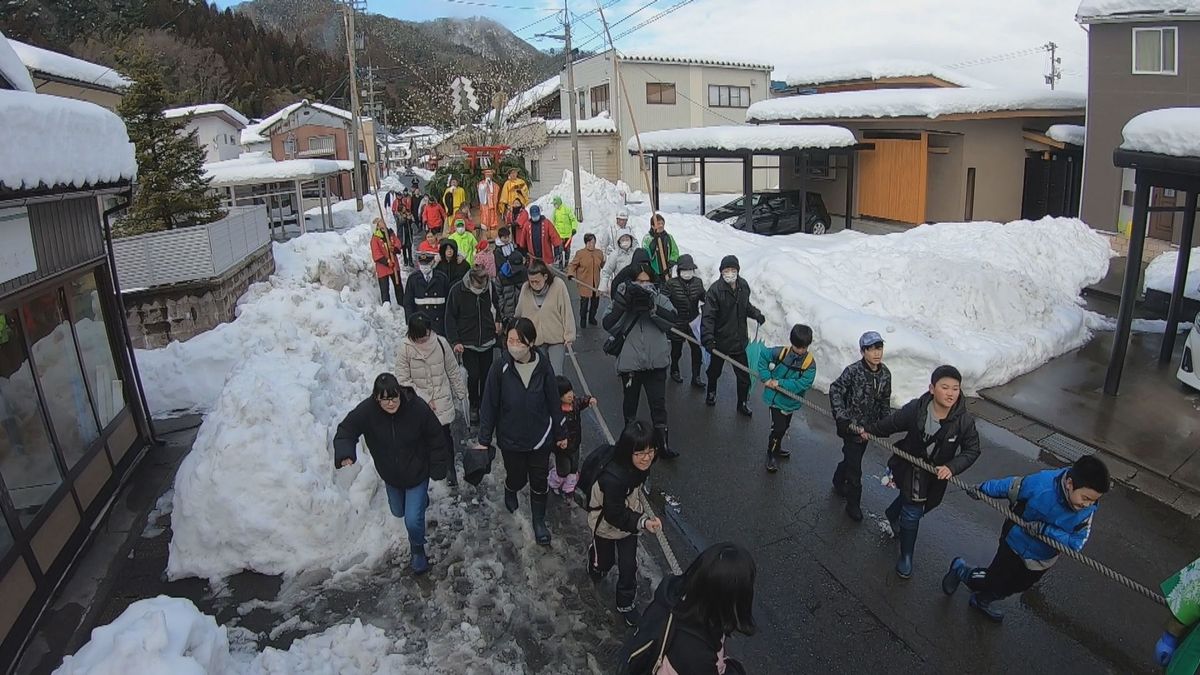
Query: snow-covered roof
<point>417,132</point>
<point>765,138</point>
<point>815,74</point>
<point>527,99</point>
<point>52,141</point>
<point>694,60</point>
<point>931,103</point>
<point>1091,11</point>
<point>208,109</point>
<point>593,126</point>
<point>12,69</point>
<point>253,133</point>
<point>1067,133</point>
<point>53,65</point>
<point>1169,131</point>
<point>233,172</point>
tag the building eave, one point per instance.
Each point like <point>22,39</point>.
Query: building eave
<point>58,79</point>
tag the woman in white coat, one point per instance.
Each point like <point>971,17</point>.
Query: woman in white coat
<point>427,364</point>
<point>618,259</point>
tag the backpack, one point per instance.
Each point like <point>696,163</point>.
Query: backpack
<point>590,471</point>
<point>644,650</point>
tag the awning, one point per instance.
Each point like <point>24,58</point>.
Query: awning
<point>233,173</point>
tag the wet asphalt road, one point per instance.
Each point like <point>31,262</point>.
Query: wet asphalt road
<point>827,598</point>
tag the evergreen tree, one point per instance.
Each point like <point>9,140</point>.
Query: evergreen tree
<point>171,189</point>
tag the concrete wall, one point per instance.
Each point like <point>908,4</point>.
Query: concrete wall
<point>1115,95</point>
<point>217,136</point>
<point>597,155</point>
<point>157,316</point>
<point>690,110</point>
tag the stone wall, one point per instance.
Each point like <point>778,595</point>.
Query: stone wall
<point>158,315</point>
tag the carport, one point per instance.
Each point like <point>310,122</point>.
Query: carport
<point>253,179</point>
<point>1162,147</point>
<point>743,143</point>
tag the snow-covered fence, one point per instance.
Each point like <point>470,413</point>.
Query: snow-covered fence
<point>191,253</point>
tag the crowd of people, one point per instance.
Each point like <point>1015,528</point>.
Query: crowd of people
<point>490,322</point>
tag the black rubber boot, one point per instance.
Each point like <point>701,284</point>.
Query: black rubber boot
<point>839,480</point>
<point>743,409</point>
<point>853,501</point>
<point>510,500</point>
<point>772,448</point>
<point>710,399</point>
<point>908,543</point>
<point>662,442</point>
<point>537,508</point>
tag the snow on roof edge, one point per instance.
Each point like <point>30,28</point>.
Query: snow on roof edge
<point>925,102</point>
<point>757,138</point>
<point>1167,131</point>
<point>1115,10</point>
<point>12,69</point>
<point>878,69</point>
<point>688,59</point>
<point>1073,134</point>
<point>207,109</point>
<point>593,126</point>
<point>63,66</point>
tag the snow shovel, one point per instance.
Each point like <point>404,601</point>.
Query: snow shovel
<point>753,351</point>
<point>705,357</point>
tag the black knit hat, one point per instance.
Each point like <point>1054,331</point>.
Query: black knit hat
<point>730,261</point>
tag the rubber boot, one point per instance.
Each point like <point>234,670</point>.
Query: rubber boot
<point>698,383</point>
<point>537,507</point>
<point>908,542</point>
<point>662,443</point>
<point>420,562</point>
<point>744,410</point>
<point>675,376</point>
<point>772,447</point>
<point>956,575</point>
<point>893,518</point>
<point>839,480</point>
<point>853,502</point>
<point>985,602</point>
<point>510,500</point>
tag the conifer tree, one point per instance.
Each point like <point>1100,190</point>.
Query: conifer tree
<point>171,188</point>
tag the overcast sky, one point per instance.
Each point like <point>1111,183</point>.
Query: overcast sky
<point>793,34</point>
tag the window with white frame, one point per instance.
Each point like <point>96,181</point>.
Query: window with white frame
<point>1155,51</point>
<point>679,166</point>
<point>728,96</point>
<point>599,96</point>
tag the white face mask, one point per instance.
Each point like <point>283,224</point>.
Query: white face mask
<point>626,244</point>
<point>519,352</point>
<point>729,277</point>
<point>687,274</point>
<point>460,229</point>
<point>425,268</point>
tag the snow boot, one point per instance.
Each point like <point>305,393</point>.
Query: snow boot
<point>675,376</point>
<point>893,518</point>
<point>743,409</point>
<point>420,562</point>
<point>853,499</point>
<point>510,500</point>
<point>662,443</point>
<point>710,399</point>
<point>631,615</point>
<point>697,382</point>
<point>839,481</point>
<point>957,574</point>
<point>908,542</point>
<point>772,448</point>
<point>984,603</point>
<point>537,507</point>
<point>569,484</point>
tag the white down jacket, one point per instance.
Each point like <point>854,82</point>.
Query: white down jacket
<point>432,370</point>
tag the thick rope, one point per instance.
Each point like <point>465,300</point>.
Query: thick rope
<point>973,491</point>
<point>669,554</point>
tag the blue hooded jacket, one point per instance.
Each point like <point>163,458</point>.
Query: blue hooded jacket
<point>1042,498</point>
<point>794,373</point>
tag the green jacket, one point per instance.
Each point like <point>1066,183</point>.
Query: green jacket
<point>565,222</point>
<point>466,246</point>
<point>656,261</point>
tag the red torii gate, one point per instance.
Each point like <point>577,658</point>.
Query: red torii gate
<point>491,152</point>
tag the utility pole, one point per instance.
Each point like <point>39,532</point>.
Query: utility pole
<point>374,120</point>
<point>573,99</point>
<point>1055,74</point>
<point>351,47</point>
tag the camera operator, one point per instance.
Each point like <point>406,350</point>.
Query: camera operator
<point>638,323</point>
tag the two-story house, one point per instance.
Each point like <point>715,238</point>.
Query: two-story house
<point>670,92</point>
<point>61,75</point>
<point>1142,55</point>
<point>218,128</point>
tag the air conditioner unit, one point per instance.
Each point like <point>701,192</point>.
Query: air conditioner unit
<point>693,186</point>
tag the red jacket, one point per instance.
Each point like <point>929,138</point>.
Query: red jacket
<point>550,239</point>
<point>379,251</point>
<point>434,215</point>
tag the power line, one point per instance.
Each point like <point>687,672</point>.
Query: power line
<point>473,3</point>
<point>621,21</point>
<point>654,18</point>
<point>997,58</point>
<point>685,96</point>
<point>534,23</point>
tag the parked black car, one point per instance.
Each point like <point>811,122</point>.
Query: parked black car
<point>775,212</point>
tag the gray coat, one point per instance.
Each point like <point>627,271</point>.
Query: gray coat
<point>648,316</point>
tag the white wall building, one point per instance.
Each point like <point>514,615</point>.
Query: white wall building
<point>218,128</point>
<point>672,92</point>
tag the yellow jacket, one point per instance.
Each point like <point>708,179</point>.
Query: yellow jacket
<point>513,189</point>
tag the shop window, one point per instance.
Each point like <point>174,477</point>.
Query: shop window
<point>63,390</point>
<point>27,461</point>
<point>99,367</point>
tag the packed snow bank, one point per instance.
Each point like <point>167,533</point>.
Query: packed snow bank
<point>158,635</point>
<point>766,138</point>
<point>169,635</point>
<point>931,103</point>
<point>1160,274</point>
<point>996,300</point>
<point>1169,131</point>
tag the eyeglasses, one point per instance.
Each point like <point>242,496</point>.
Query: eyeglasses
<point>388,399</point>
<point>645,454</point>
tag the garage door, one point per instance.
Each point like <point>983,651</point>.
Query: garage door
<point>892,179</point>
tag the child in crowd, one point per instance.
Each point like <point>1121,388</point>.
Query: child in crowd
<point>783,371</point>
<point>564,465</point>
<point>1058,504</point>
<point>429,244</point>
<point>861,395</point>
<point>485,258</point>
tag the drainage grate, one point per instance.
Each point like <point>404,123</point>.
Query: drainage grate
<point>1066,448</point>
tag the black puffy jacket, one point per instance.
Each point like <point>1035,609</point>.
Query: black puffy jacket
<point>522,418</point>
<point>955,446</point>
<point>685,295</point>
<point>723,321</point>
<point>408,446</point>
<point>470,316</point>
<point>691,649</point>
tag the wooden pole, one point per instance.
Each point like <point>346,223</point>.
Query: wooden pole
<point>641,154</point>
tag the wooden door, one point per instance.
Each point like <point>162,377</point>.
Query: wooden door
<point>893,179</point>
<point>1162,225</point>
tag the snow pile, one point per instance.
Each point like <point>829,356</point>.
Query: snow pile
<point>1169,131</point>
<point>206,109</point>
<point>766,138</point>
<point>1160,274</point>
<point>996,300</point>
<point>1095,9</point>
<point>158,635</point>
<point>56,141</point>
<point>814,74</point>
<point>593,126</point>
<point>68,67</point>
<point>12,69</point>
<point>1073,134</point>
<point>931,103</point>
